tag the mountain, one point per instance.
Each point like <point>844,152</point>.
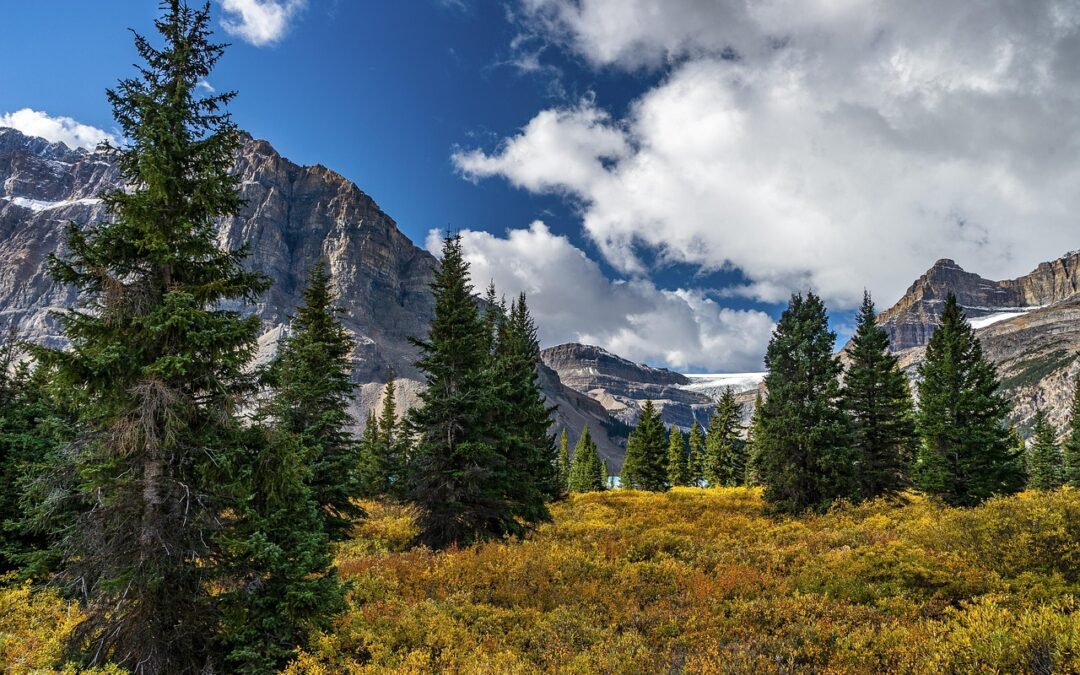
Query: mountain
<point>912,320</point>
<point>622,386</point>
<point>293,216</point>
<point>1029,327</point>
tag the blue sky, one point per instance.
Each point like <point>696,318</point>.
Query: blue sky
<point>690,164</point>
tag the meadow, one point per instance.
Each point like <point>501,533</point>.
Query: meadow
<point>692,581</point>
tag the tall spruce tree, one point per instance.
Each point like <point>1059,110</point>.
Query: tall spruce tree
<point>457,474</point>
<point>753,432</point>
<point>965,456</point>
<point>35,423</point>
<point>524,417</point>
<point>725,449</point>
<point>804,450</point>
<point>878,401</point>
<point>1045,463</point>
<point>312,390</point>
<point>1071,446</point>
<point>645,464</point>
<point>158,365</point>
<point>587,468</point>
<point>678,472</point>
<point>695,462</point>
<point>564,461</point>
<point>283,586</point>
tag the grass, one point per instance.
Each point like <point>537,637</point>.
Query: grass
<point>696,581</point>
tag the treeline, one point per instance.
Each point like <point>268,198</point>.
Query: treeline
<point>188,499</point>
<point>825,432</point>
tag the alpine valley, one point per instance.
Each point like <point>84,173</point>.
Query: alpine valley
<point>296,215</point>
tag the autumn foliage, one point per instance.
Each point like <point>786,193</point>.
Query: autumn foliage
<point>694,581</point>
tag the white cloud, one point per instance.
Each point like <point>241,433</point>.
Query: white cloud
<point>259,22</point>
<point>835,144</point>
<point>56,129</point>
<point>572,301</point>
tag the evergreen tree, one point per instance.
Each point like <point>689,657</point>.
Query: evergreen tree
<point>753,433</point>
<point>457,475</point>
<point>965,456</point>
<point>878,402</point>
<point>312,390</point>
<point>34,425</point>
<point>725,450</point>
<point>283,585</point>
<point>382,449</point>
<point>678,472</point>
<point>525,416</point>
<point>586,469</point>
<point>1071,446</point>
<point>1045,463</point>
<point>695,463</point>
<point>645,464</point>
<point>564,462</point>
<point>158,366</point>
<point>603,473</point>
<point>804,454</point>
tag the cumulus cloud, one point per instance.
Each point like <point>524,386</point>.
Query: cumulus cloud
<point>832,144</point>
<point>259,22</point>
<point>573,301</point>
<point>56,129</point>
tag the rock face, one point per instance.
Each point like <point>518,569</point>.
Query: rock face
<point>1029,327</point>
<point>622,386</point>
<point>912,320</point>
<point>294,216</point>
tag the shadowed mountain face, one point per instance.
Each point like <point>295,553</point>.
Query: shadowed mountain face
<point>293,216</point>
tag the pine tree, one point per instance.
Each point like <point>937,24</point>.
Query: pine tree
<point>804,454</point>
<point>526,418</point>
<point>35,424</point>
<point>1071,446</point>
<point>678,472</point>
<point>564,462</point>
<point>645,464</point>
<point>878,402</point>
<point>312,391</point>
<point>965,456</point>
<point>696,461</point>
<point>1045,463</point>
<point>586,469</point>
<point>283,585</point>
<point>382,449</point>
<point>158,365</point>
<point>725,450</point>
<point>753,433</point>
<point>457,475</point>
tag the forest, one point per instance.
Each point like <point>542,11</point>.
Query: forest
<point>169,506</point>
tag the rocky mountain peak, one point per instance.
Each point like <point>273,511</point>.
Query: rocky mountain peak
<point>912,320</point>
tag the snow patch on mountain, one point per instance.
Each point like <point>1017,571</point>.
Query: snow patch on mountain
<point>997,317</point>
<point>38,205</point>
<point>712,383</point>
